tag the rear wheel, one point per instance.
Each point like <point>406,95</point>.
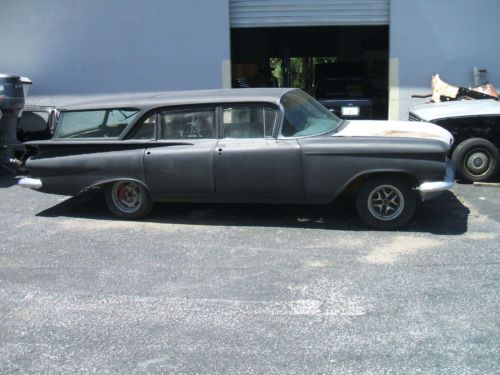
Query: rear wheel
<point>386,202</point>
<point>476,159</point>
<point>128,200</point>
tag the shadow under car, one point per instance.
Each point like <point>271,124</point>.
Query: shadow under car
<point>445,216</point>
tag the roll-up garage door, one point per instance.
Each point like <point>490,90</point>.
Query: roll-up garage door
<point>282,13</point>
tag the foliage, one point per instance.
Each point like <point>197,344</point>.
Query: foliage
<point>300,76</point>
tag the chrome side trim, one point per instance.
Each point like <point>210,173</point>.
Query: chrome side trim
<point>432,189</point>
<point>30,183</point>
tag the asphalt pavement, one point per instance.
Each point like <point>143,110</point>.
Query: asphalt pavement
<point>250,289</point>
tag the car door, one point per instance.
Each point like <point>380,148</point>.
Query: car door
<point>179,163</point>
<point>249,162</point>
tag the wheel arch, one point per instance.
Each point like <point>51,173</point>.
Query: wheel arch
<point>357,181</point>
<point>108,182</point>
<point>472,126</point>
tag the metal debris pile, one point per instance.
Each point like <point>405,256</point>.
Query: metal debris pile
<point>442,91</point>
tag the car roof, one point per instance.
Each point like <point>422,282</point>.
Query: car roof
<point>38,108</point>
<point>167,98</point>
<point>459,108</point>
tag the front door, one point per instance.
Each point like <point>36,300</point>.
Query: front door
<point>249,163</point>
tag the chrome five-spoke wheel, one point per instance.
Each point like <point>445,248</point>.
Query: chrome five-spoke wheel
<point>386,202</point>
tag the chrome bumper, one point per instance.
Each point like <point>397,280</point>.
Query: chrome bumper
<point>432,189</point>
<point>30,183</point>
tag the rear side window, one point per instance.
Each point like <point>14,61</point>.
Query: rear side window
<point>187,124</point>
<point>106,123</point>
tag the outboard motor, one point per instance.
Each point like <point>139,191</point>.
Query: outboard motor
<point>12,97</point>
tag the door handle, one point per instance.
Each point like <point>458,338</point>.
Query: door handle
<point>220,151</point>
<point>148,153</point>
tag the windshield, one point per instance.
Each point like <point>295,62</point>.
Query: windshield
<point>304,116</point>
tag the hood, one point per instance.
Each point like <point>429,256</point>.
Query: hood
<point>397,129</point>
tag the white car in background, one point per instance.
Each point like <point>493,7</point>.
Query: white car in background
<point>475,125</point>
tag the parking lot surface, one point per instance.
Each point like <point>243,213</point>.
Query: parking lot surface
<point>248,289</point>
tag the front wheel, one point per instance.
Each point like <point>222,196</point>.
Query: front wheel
<point>128,200</point>
<point>476,159</point>
<point>386,202</point>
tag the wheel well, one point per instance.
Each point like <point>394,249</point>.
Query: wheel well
<point>463,128</point>
<point>357,182</point>
<point>108,183</point>
<point>476,136</point>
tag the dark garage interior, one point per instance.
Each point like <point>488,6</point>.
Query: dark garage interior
<point>343,62</point>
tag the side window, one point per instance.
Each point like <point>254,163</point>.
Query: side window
<point>81,124</point>
<point>248,121</point>
<point>94,124</point>
<point>144,129</point>
<point>270,116</point>
<point>117,121</point>
<point>187,124</point>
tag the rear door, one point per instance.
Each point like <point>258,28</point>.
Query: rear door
<point>249,163</point>
<point>179,163</point>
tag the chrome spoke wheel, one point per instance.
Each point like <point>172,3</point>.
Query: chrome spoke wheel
<point>127,196</point>
<point>386,202</point>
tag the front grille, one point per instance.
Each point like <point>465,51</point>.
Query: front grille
<point>413,117</point>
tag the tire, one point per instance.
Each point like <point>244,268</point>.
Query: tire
<point>386,202</point>
<point>128,200</point>
<point>476,159</point>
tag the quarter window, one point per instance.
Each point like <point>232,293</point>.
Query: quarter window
<point>187,124</point>
<point>248,122</point>
<point>144,129</point>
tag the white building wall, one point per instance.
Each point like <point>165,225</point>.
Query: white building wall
<point>74,47</point>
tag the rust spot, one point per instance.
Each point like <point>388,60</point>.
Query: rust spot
<point>399,133</point>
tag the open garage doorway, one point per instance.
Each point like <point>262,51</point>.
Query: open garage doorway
<point>345,67</point>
